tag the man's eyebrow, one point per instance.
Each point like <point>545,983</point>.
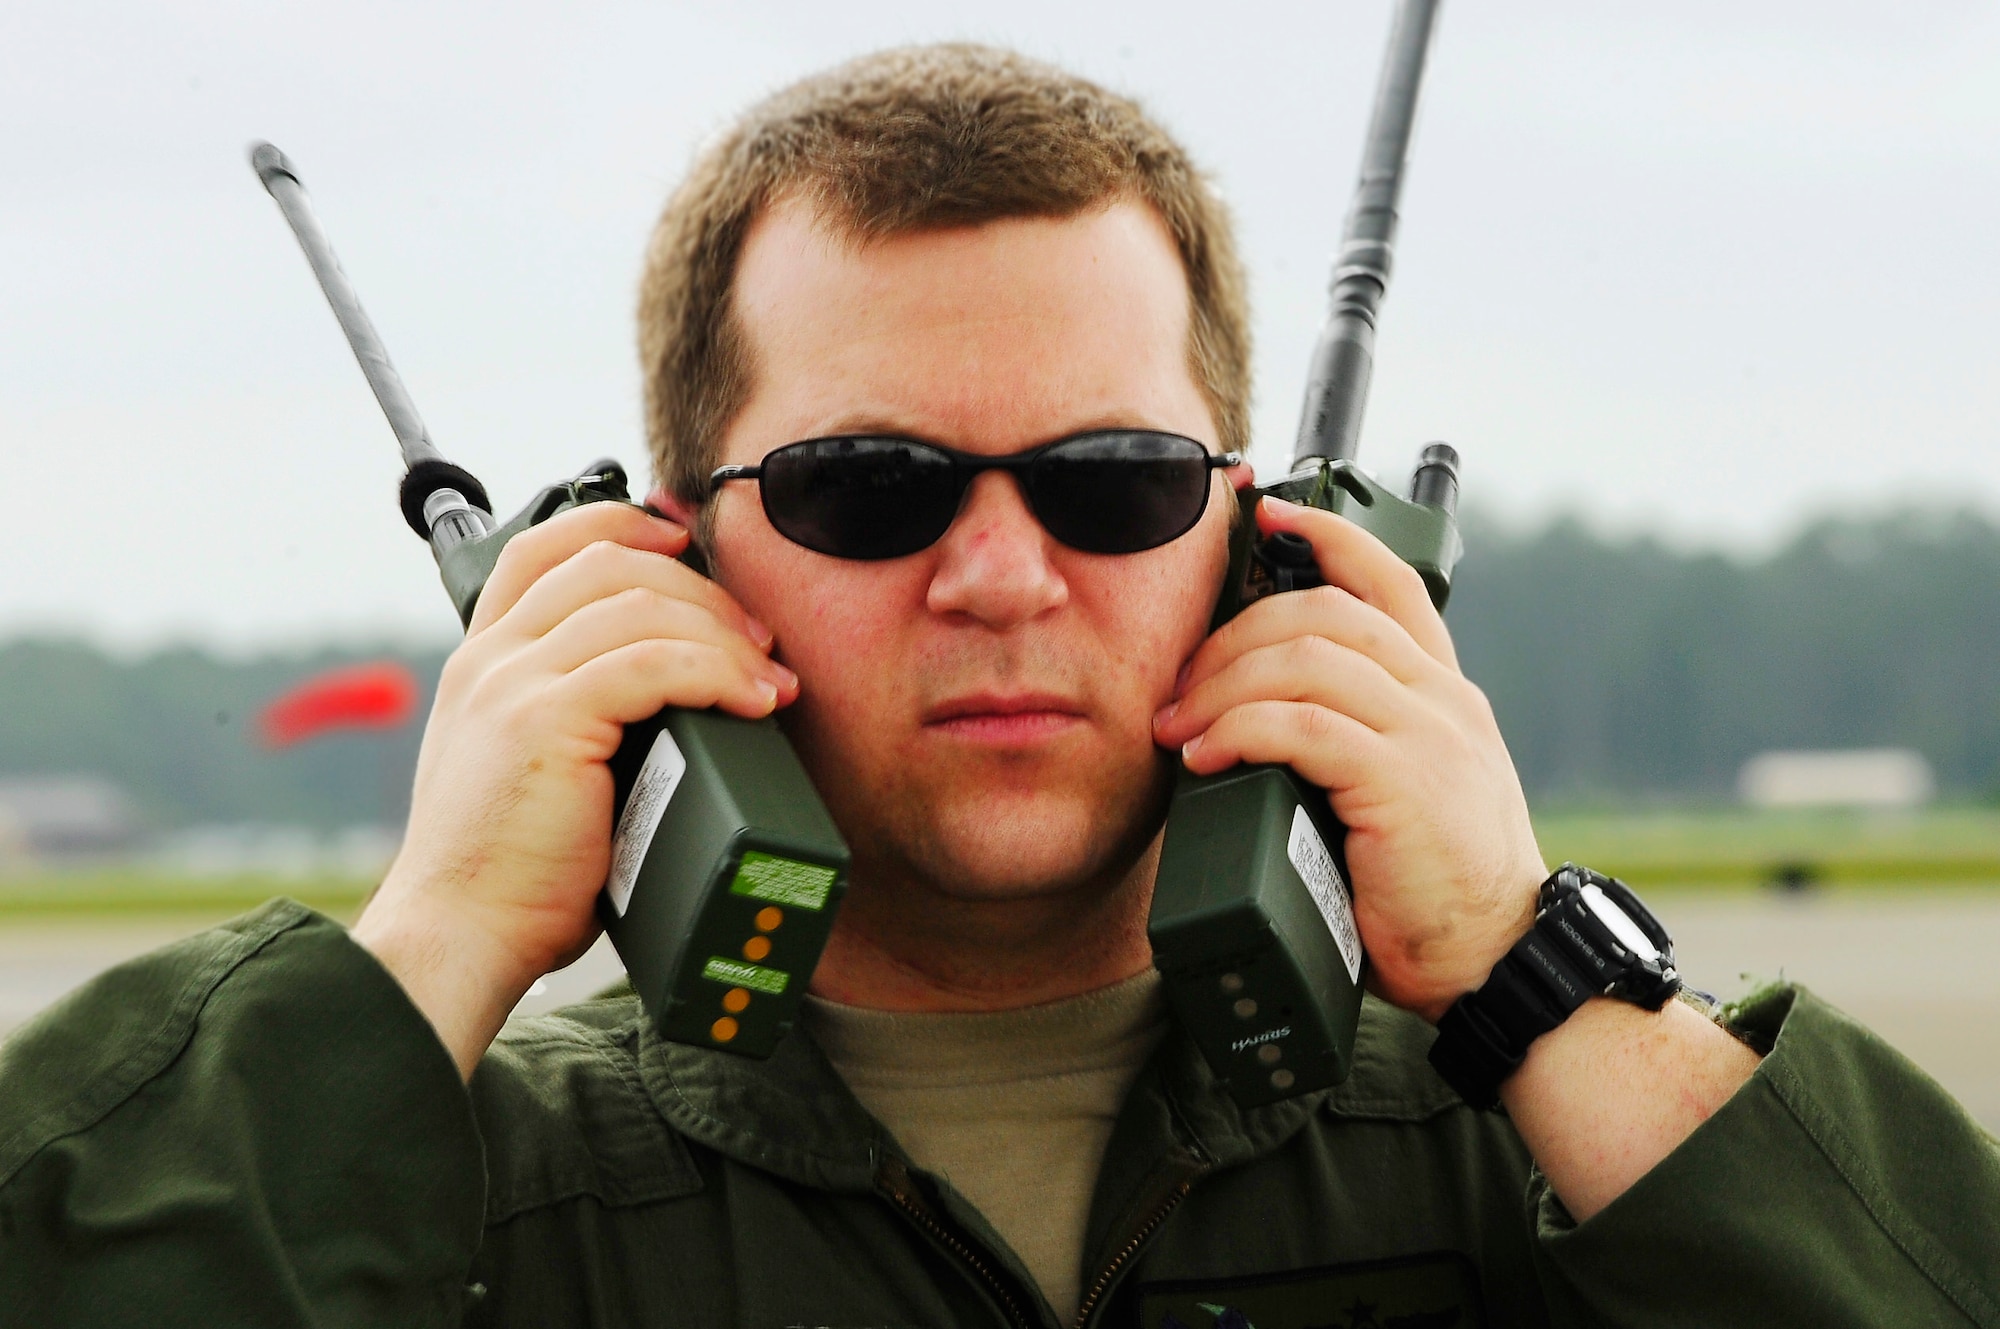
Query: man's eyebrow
<point>882,424</point>
<point>875,423</point>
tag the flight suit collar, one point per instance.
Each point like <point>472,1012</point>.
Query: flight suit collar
<point>790,1115</point>
<point>793,1116</point>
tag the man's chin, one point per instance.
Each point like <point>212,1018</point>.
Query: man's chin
<point>1027,847</point>
<point>1033,873</point>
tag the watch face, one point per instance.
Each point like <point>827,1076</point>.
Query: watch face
<point>1622,927</point>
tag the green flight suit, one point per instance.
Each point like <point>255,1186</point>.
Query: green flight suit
<point>256,1127</point>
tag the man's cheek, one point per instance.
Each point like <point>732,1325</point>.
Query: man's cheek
<point>1165,610</point>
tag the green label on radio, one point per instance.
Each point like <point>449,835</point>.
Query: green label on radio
<point>737,974</point>
<point>783,881</point>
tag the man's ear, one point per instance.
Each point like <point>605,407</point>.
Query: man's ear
<point>669,505</point>
<point>1241,476</point>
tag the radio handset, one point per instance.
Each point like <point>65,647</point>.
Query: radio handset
<point>1252,920</point>
<point>726,868</point>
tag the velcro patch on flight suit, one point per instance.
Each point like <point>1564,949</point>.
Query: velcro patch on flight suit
<point>1436,1290</point>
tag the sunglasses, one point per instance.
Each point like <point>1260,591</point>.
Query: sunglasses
<point>1110,491</point>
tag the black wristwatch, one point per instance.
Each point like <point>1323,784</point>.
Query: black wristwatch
<point>1591,938</point>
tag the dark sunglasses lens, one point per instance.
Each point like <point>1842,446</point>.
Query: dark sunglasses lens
<point>1119,493</point>
<point>862,498</point>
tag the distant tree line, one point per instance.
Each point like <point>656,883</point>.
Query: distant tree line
<point>1619,670</point>
<point>1623,669</point>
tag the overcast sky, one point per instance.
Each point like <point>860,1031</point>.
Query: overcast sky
<point>1703,269</point>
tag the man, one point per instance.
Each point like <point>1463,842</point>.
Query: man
<point>987,1119</point>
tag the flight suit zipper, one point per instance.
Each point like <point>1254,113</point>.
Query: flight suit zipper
<point>1190,1170</point>
<point>895,1182</point>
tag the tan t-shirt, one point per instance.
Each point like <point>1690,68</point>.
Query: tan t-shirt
<point>1014,1108</point>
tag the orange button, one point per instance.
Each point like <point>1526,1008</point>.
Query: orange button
<point>756,948</point>
<point>722,1030</point>
<point>769,917</point>
<point>736,1000</point>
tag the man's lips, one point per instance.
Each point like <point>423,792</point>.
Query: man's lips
<point>1004,718</point>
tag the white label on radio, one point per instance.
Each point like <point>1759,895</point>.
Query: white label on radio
<point>1308,854</point>
<point>651,793</point>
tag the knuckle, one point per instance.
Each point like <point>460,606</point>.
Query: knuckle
<point>1314,653</point>
<point>1326,598</point>
<point>522,715</point>
<point>600,554</point>
<point>494,690</point>
<point>637,602</point>
<point>1408,581</point>
<point>1316,724</point>
<point>667,655</point>
<point>461,668</point>
<point>687,662</point>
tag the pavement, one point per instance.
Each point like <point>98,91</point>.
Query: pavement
<point>1921,968</point>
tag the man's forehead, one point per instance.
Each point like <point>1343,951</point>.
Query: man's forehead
<point>1002,333</point>
<point>800,273</point>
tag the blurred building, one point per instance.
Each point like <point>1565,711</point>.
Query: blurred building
<point>1886,778</point>
<point>54,818</point>
<point>257,848</point>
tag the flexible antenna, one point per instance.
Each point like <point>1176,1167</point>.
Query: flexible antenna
<point>1344,360</point>
<point>431,484</point>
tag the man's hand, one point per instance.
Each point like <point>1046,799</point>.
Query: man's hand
<point>1355,686</point>
<point>587,624</point>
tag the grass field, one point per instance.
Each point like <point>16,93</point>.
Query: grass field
<point>1725,849</point>
<point>1734,848</point>
<point>138,890</point>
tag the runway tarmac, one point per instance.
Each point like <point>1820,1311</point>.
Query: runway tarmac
<point>1922,968</point>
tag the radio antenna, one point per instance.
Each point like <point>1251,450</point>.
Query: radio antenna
<point>441,502</point>
<point>1344,361</point>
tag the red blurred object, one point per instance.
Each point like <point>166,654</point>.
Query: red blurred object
<point>381,695</point>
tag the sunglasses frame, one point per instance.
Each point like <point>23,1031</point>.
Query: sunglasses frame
<point>967,467</point>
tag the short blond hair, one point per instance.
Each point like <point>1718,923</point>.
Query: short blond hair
<point>907,140</point>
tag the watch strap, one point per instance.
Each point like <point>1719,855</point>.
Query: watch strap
<point>1484,1037</point>
<point>1571,954</point>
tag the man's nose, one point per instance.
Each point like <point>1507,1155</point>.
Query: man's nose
<point>994,563</point>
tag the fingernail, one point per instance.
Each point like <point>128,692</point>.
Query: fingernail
<point>1165,715</point>
<point>786,678</point>
<point>1277,502</point>
<point>1189,748</point>
<point>768,692</point>
<point>760,634</point>
<point>1181,679</point>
